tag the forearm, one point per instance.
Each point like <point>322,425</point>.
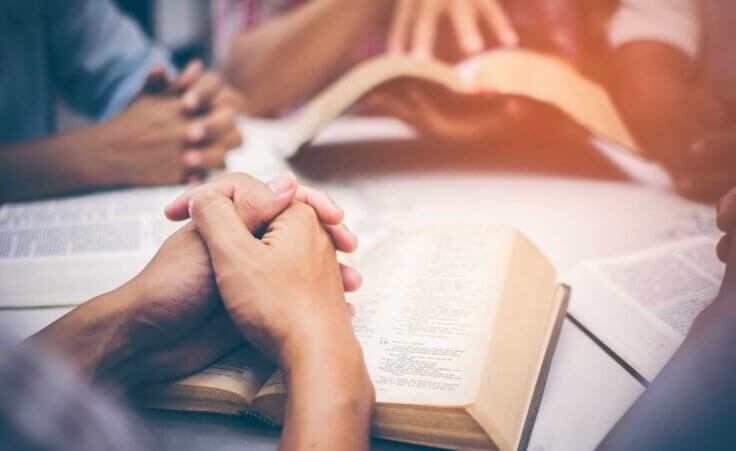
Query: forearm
<point>281,62</point>
<point>60,164</point>
<point>647,81</point>
<point>330,399</point>
<point>93,338</point>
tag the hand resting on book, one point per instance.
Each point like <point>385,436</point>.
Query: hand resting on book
<point>285,295</point>
<point>168,321</point>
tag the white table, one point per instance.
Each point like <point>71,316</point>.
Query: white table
<point>571,220</point>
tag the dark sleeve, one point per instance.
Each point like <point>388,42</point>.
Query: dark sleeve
<point>45,406</point>
<point>691,404</point>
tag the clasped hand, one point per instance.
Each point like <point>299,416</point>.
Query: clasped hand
<point>175,131</point>
<point>214,282</point>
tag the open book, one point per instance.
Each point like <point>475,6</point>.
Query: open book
<point>457,325</point>
<point>508,71</point>
<point>62,252</point>
<point>640,306</point>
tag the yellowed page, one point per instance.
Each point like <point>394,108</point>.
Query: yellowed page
<point>552,81</point>
<point>336,99</point>
<point>242,373</point>
<point>427,309</point>
<point>274,385</point>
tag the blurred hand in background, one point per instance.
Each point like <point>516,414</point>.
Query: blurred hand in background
<point>211,106</point>
<point>713,154</point>
<point>476,24</point>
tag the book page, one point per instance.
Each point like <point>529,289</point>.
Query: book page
<point>274,385</point>
<point>242,372</point>
<point>62,252</point>
<point>426,312</point>
<point>338,97</point>
<point>552,81</point>
<point>642,305</point>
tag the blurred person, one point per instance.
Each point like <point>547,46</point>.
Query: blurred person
<point>708,170</point>
<point>150,128</point>
<point>656,82</point>
<point>669,65</point>
<point>212,285</point>
<point>279,53</point>
<point>570,29</point>
<point>691,404</point>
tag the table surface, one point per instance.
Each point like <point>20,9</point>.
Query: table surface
<point>573,212</point>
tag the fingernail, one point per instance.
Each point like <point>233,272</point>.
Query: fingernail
<point>280,184</point>
<point>421,55</point>
<point>510,39</point>
<point>197,132</point>
<point>193,159</point>
<point>190,100</point>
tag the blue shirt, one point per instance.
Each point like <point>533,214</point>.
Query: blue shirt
<point>85,52</point>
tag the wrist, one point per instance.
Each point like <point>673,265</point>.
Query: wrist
<point>332,359</point>
<point>104,160</point>
<point>93,153</point>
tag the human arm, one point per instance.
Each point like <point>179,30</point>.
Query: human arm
<point>150,143</point>
<point>72,414</point>
<point>657,92</point>
<point>281,62</point>
<point>296,315</point>
<point>655,84</point>
<point>168,320</point>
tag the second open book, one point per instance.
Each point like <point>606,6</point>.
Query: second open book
<point>457,325</point>
<point>517,72</point>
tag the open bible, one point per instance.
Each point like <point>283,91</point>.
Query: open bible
<point>517,72</point>
<point>457,325</point>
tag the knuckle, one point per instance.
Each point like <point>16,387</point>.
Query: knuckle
<point>205,202</point>
<point>250,204</point>
<point>253,205</point>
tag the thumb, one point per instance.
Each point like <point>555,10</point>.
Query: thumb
<point>220,227</point>
<point>255,202</point>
